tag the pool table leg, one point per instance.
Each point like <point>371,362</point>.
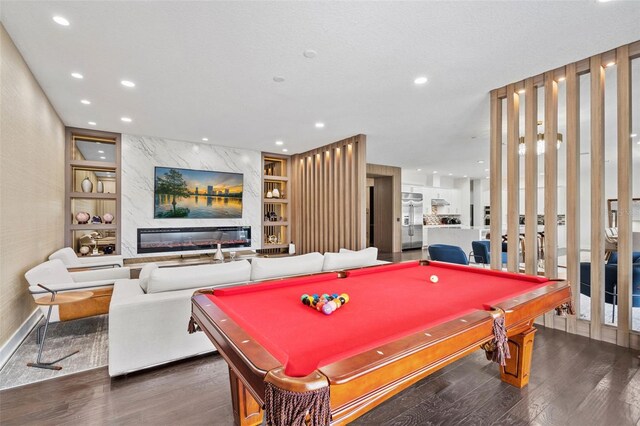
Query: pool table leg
<point>518,367</point>
<point>246,410</point>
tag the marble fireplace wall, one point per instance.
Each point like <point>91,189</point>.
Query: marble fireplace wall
<point>140,156</point>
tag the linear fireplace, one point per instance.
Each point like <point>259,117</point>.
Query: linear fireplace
<point>158,240</point>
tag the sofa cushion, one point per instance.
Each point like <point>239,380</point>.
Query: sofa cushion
<point>145,274</point>
<point>263,268</point>
<point>66,255</point>
<point>200,276</point>
<point>346,259</point>
<point>49,272</point>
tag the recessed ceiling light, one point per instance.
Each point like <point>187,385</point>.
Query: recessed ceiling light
<point>127,83</point>
<point>610,64</point>
<point>435,172</point>
<point>562,79</point>
<point>319,125</point>
<point>126,119</point>
<point>278,79</point>
<point>486,177</point>
<point>77,75</point>
<point>86,102</point>
<point>420,80</point>
<point>419,170</point>
<point>60,20</point>
<point>92,123</point>
<point>286,150</point>
<point>486,170</point>
<point>100,152</point>
<point>521,91</point>
<point>633,135</point>
<point>103,158</point>
<point>279,143</point>
<point>310,53</point>
<point>480,161</point>
<point>465,176</point>
<point>450,174</point>
<point>205,139</point>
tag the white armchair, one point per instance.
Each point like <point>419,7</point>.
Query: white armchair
<point>71,260</point>
<point>54,275</point>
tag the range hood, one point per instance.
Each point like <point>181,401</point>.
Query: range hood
<point>439,202</point>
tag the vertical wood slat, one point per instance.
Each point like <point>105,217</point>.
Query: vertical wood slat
<point>513,179</point>
<point>361,197</point>
<point>550,182</point>
<point>551,176</point>
<point>625,179</point>
<point>496,181</point>
<point>573,190</point>
<point>597,195</point>
<point>329,184</point>
<point>531,179</point>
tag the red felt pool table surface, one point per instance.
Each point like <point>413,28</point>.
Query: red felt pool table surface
<point>386,303</point>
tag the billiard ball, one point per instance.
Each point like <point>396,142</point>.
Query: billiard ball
<point>434,278</point>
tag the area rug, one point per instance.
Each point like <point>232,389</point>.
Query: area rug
<point>89,335</point>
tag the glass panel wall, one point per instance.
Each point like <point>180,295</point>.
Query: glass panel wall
<point>610,194</point>
<point>635,191</point>
<point>584,309</point>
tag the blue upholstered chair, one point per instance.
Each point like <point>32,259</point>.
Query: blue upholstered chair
<point>447,253</point>
<point>613,259</point>
<point>611,283</point>
<point>482,252</point>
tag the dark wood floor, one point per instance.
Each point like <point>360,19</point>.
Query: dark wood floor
<point>575,381</point>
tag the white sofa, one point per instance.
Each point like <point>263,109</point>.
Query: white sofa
<point>148,316</point>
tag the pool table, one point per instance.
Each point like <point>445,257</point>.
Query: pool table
<point>293,364</point>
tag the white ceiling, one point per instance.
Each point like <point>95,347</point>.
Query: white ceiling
<point>205,69</point>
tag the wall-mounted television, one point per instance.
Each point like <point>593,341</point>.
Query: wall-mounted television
<point>197,194</point>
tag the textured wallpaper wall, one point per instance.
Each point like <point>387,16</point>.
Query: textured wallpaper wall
<point>31,183</point>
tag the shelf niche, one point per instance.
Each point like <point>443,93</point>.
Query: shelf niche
<point>276,233</point>
<point>92,156</point>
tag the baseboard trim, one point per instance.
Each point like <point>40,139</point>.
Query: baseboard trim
<point>16,339</point>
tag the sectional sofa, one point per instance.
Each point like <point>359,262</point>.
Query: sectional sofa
<point>148,316</point>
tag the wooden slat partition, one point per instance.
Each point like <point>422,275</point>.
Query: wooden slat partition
<point>328,189</point>
<point>513,179</point>
<point>573,189</point>
<point>597,195</point>
<point>531,178</point>
<point>496,180</point>
<point>622,56</point>
<point>625,175</point>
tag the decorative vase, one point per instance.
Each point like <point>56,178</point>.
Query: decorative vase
<point>96,219</point>
<point>108,250</point>
<point>84,250</point>
<point>219,256</point>
<point>108,218</point>
<point>292,248</point>
<point>83,217</point>
<point>269,194</point>
<point>86,185</point>
<point>100,187</point>
<point>276,193</point>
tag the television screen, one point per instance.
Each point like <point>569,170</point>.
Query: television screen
<point>197,194</point>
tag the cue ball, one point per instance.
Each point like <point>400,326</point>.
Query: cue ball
<point>434,278</point>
